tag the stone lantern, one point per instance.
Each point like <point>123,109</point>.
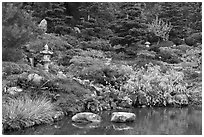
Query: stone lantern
<point>46,57</point>
<point>147,44</point>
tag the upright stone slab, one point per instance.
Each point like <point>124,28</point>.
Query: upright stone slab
<point>123,117</point>
<point>43,25</point>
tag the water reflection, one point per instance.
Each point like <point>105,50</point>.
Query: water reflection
<point>167,121</point>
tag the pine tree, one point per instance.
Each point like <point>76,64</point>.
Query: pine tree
<point>184,16</point>
<point>18,27</point>
<point>129,26</point>
<point>58,21</point>
<point>97,16</point>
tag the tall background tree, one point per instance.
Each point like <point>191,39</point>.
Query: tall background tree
<point>18,27</point>
<point>130,24</point>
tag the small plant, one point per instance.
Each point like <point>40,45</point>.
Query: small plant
<point>22,111</point>
<point>160,28</point>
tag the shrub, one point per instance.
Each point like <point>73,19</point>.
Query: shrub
<point>88,58</point>
<point>155,86</point>
<point>193,58</point>
<point>193,39</point>
<point>98,44</point>
<point>11,54</point>
<point>9,68</point>
<point>72,40</point>
<point>146,54</point>
<point>160,28</point>
<point>169,55</point>
<point>23,111</point>
<point>54,42</point>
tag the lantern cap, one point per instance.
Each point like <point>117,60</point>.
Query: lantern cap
<point>147,43</point>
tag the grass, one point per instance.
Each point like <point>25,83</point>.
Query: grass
<point>23,111</point>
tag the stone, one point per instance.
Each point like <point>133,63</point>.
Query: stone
<point>35,78</point>
<point>60,75</point>
<point>58,116</point>
<point>181,99</point>
<point>43,25</point>
<point>14,90</point>
<point>85,117</point>
<point>142,98</point>
<point>122,117</point>
<point>169,99</point>
<point>77,30</point>
<point>126,102</point>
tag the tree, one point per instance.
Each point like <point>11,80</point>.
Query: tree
<point>58,21</point>
<point>129,26</point>
<point>18,27</point>
<point>184,16</point>
<point>97,16</point>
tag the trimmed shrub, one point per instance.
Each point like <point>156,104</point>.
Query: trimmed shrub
<point>98,44</point>
<point>54,42</point>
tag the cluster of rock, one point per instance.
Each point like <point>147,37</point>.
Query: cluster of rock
<point>87,117</point>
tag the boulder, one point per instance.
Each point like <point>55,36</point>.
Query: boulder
<point>58,116</point>
<point>60,75</point>
<point>181,99</point>
<point>142,99</point>
<point>43,25</point>
<point>86,117</point>
<point>35,78</point>
<point>14,90</point>
<point>122,117</point>
<point>126,102</point>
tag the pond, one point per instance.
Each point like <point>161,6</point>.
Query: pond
<point>149,121</point>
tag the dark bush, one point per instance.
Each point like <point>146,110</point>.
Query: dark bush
<point>166,44</point>
<point>11,54</point>
<point>98,44</point>
<point>193,39</point>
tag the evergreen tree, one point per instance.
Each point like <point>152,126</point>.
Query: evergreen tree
<point>184,16</point>
<point>96,19</point>
<point>18,27</point>
<point>129,27</point>
<point>58,21</point>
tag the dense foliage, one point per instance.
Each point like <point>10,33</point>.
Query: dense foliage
<point>101,58</point>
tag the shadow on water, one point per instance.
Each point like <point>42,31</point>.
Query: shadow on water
<point>172,121</point>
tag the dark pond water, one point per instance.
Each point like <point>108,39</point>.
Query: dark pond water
<point>185,121</point>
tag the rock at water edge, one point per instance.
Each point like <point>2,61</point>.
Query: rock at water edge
<point>122,117</point>
<point>86,117</point>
